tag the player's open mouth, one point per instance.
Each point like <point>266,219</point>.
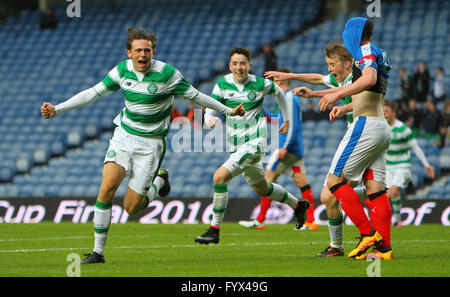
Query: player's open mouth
<point>142,63</point>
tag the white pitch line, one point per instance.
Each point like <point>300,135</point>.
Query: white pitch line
<point>198,246</point>
<point>43,238</point>
<point>115,236</point>
<point>155,246</point>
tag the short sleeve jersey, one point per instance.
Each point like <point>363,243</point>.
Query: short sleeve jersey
<point>369,55</point>
<point>330,81</point>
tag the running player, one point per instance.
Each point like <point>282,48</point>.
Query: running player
<point>247,140</point>
<point>288,159</point>
<point>361,153</point>
<point>138,145</point>
<point>339,61</point>
<point>398,160</point>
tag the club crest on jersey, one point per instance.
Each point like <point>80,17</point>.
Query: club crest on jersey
<point>251,96</point>
<point>111,154</point>
<point>152,88</point>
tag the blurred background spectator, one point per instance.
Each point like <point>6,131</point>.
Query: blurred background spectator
<point>421,81</point>
<point>439,86</point>
<point>270,58</point>
<point>48,20</point>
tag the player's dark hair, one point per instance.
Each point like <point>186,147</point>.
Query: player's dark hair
<point>141,33</point>
<point>367,31</point>
<point>336,48</point>
<point>242,51</point>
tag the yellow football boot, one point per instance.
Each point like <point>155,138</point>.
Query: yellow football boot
<point>365,242</point>
<point>383,253</point>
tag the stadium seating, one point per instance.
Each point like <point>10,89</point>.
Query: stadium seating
<point>63,156</point>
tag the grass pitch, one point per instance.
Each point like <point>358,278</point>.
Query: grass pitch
<point>137,250</point>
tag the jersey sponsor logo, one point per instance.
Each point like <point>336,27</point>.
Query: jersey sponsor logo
<point>229,94</point>
<point>127,83</point>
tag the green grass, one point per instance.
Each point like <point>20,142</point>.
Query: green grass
<point>169,250</point>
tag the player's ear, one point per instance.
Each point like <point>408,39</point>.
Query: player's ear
<point>129,53</point>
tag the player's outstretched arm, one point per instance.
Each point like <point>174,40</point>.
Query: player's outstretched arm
<point>303,92</point>
<point>81,99</point>
<point>209,102</point>
<point>311,78</point>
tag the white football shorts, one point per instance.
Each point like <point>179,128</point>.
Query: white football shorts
<point>361,153</point>
<point>140,156</point>
<point>246,160</point>
<point>398,177</point>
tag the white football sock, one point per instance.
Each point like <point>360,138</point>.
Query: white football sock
<point>102,220</point>
<point>278,193</point>
<point>220,202</point>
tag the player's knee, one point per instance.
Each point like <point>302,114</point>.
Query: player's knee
<point>107,189</point>
<point>328,199</point>
<point>260,191</point>
<point>300,180</point>
<point>131,208</point>
<point>332,182</point>
<point>220,177</point>
<point>393,193</point>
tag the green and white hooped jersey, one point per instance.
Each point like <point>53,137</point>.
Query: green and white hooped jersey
<point>399,153</point>
<point>251,129</point>
<point>330,81</point>
<point>148,96</point>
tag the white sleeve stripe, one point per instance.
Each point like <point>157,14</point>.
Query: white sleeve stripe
<point>290,103</point>
<point>114,75</point>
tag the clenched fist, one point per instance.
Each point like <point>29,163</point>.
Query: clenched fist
<point>48,110</point>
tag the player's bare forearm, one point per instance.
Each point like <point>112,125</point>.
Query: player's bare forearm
<point>367,80</point>
<point>348,107</point>
<point>311,78</point>
<point>340,111</point>
<point>325,92</point>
